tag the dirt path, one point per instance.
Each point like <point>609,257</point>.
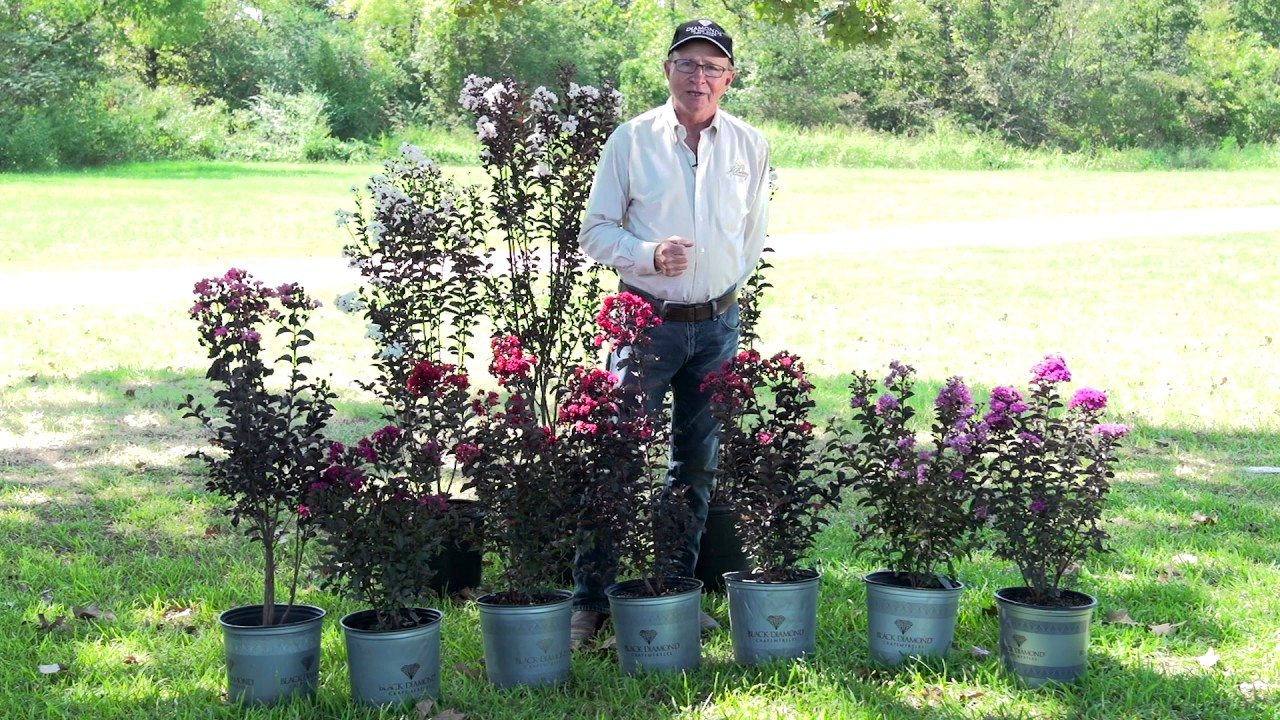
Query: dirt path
<point>324,275</point>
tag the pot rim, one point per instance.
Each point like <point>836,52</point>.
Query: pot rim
<point>871,579</point>
<point>429,611</point>
<point>685,584</point>
<point>1093,600</point>
<point>310,613</point>
<point>560,593</point>
<point>811,574</point>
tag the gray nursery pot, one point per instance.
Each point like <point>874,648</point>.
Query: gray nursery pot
<point>904,621</point>
<point>657,633</point>
<point>772,620</point>
<point>393,666</point>
<point>1042,644</point>
<point>270,663</point>
<point>526,644</point>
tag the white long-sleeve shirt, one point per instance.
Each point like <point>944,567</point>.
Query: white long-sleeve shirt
<point>649,186</point>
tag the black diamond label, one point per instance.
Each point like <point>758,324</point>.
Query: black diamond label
<point>776,620</point>
<point>648,636</point>
<point>545,644</point>
<point>410,670</point>
<point>903,625</point>
<point>1019,639</point>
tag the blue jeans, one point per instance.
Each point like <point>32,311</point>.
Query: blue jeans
<point>683,353</point>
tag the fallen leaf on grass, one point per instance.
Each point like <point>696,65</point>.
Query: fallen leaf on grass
<point>1166,628</point>
<point>1183,559</point>
<point>131,660</point>
<point>449,715</point>
<point>469,670</point>
<point>1120,617</point>
<point>979,652</point>
<point>92,612</point>
<point>1200,518</point>
<point>424,709</point>
<point>212,532</point>
<point>608,643</point>
<point>22,587</point>
<point>52,669</point>
<point>47,626</point>
<point>971,695</point>
<point>1254,690</point>
<point>991,611</point>
<point>1209,659</point>
<point>466,594</point>
<point>46,595</point>
<point>177,614</point>
<point>1168,574</point>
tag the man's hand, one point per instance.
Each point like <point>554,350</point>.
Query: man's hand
<point>670,258</point>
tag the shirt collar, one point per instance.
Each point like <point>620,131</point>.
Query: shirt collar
<point>678,130</point>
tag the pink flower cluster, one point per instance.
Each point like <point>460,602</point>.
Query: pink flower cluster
<point>623,318</point>
<point>510,361</point>
<point>1051,370</point>
<point>592,400</point>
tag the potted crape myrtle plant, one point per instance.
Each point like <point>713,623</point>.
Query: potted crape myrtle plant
<point>384,522</point>
<point>763,405</point>
<point>513,464</point>
<point>418,242</point>
<point>720,548</point>
<point>268,448</point>
<point>616,444</point>
<point>918,499</point>
<point>1051,470</point>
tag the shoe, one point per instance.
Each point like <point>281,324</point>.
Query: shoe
<point>585,625</point>
<point>707,623</point>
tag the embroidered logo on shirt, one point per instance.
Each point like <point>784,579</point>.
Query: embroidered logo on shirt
<point>739,170</point>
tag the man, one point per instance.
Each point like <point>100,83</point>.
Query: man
<point>680,209</point>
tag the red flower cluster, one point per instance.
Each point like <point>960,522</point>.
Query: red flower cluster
<point>623,319</point>
<point>510,361</point>
<point>432,377</point>
<point>592,400</point>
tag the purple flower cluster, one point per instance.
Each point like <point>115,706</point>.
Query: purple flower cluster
<point>1051,370</point>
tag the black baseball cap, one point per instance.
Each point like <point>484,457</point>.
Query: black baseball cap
<point>703,30</point>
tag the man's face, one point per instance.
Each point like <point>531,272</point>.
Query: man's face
<point>696,95</point>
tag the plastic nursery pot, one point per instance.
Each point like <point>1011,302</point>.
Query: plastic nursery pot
<point>270,663</point>
<point>1040,644</point>
<point>526,644</point>
<point>393,666</point>
<point>720,550</point>
<point>905,621</point>
<point>772,620</point>
<point>657,633</point>
<point>459,564</point>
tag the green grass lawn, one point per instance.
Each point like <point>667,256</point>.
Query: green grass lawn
<point>99,505</point>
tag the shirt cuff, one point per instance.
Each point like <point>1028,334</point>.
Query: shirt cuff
<point>643,258</point>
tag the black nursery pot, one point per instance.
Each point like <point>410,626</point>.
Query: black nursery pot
<point>721,550</point>
<point>459,563</point>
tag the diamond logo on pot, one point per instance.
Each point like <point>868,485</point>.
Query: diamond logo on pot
<point>648,636</point>
<point>776,620</point>
<point>309,662</point>
<point>545,644</point>
<point>903,625</point>
<point>410,670</point>
<point>1019,639</point>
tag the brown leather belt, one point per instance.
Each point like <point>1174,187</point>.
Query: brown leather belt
<point>686,312</point>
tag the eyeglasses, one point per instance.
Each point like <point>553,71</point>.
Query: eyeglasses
<point>688,67</point>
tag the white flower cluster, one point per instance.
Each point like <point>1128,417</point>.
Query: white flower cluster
<point>343,216</point>
<point>580,92</point>
<point>542,100</point>
<point>472,90</point>
<point>485,128</point>
<point>414,154</point>
<point>394,350</point>
<point>570,125</point>
<point>373,331</point>
<point>349,303</point>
